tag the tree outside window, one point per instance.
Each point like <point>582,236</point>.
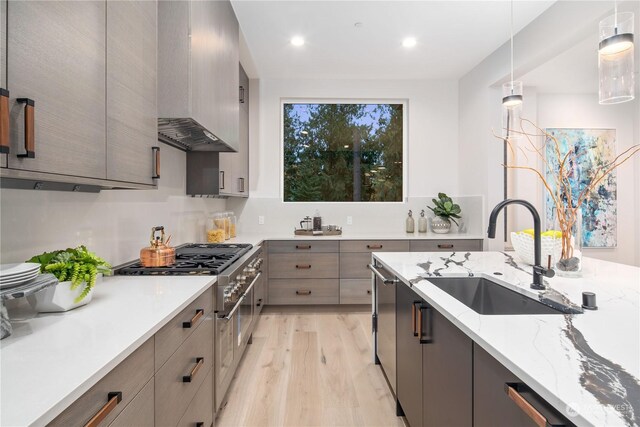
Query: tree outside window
<point>343,152</point>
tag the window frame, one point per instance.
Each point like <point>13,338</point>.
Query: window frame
<point>405,141</point>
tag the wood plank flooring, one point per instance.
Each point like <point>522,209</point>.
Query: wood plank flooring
<point>310,366</point>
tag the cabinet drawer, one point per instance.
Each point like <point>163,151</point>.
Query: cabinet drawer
<point>355,265</point>
<point>374,245</point>
<point>128,378</point>
<point>302,246</point>
<point>355,291</point>
<point>450,245</point>
<point>173,390</point>
<point>307,266</point>
<point>305,291</point>
<point>200,409</point>
<point>138,413</point>
<point>169,338</point>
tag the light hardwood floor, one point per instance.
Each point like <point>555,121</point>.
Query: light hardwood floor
<point>310,366</point>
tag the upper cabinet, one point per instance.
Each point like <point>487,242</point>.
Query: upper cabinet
<point>198,54</point>
<point>82,97</point>
<point>234,167</point>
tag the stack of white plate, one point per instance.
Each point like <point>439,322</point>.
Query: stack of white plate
<point>12,275</point>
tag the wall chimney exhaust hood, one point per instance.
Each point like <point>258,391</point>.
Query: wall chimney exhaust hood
<point>189,135</point>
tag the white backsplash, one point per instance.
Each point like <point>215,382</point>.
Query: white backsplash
<point>115,224</point>
<point>367,217</point>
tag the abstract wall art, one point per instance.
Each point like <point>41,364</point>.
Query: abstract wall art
<point>595,148</point>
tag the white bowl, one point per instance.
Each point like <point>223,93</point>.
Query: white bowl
<point>523,245</point>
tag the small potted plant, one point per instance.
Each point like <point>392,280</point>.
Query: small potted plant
<point>445,211</point>
<point>77,269</point>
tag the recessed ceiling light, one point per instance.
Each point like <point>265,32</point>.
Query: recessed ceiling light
<point>297,41</point>
<point>409,42</point>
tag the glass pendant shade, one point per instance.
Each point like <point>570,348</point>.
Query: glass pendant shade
<point>615,59</point>
<point>511,108</point>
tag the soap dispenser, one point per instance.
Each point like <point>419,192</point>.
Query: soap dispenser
<point>422,223</point>
<point>410,226</point>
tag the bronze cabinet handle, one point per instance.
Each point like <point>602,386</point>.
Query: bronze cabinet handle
<point>113,398</point>
<point>222,180</point>
<point>200,424</point>
<point>29,128</point>
<point>4,121</point>
<point>425,337</point>
<point>303,246</point>
<point>374,246</point>
<point>194,319</point>
<point>368,291</point>
<point>303,266</point>
<point>445,246</point>
<point>194,371</point>
<point>413,318</point>
<point>303,292</point>
<point>156,162</point>
<point>259,303</point>
<point>512,391</point>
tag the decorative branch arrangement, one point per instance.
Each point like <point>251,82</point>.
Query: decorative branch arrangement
<point>567,205</point>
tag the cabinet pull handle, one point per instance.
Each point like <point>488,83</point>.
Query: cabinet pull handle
<point>194,319</point>
<point>29,128</point>
<point>303,266</point>
<point>303,246</point>
<point>241,94</point>
<point>445,246</point>
<point>200,424</point>
<point>4,121</point>
<point>113,398</point>
<point>259,303</point>
<point>380,276</point>
<point>155,151</point>
<point>425,338</point>
<point>303,292</point>
<point>194,371</point>
<point>374,246</point>
<point>368,291</point>
<point>222,180</point>
<point>241,185</point>
<point>413,319</point>
<point>512,391</point>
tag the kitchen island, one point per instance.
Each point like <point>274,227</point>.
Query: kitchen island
<point>585,365</point>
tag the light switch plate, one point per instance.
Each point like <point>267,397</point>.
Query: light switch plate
<point>349,220</point>
<point>261,220</point>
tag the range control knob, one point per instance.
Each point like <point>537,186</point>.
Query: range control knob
<point>251,271</point>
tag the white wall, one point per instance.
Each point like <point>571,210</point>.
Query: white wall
<point>115,224</point>
<point>432,146</point>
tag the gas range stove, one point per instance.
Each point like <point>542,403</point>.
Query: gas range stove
<point>192,259</point>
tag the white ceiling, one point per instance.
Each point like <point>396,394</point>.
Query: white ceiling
<point>453,36</point>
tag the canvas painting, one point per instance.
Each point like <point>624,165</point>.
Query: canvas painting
<point>597,147</point>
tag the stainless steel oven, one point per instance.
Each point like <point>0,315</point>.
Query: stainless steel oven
<point>384,321</point>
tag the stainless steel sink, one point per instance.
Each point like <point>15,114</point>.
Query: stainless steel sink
<point>486,297</point>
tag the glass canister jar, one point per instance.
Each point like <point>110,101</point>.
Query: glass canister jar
<point>215,229</point>
<point>233,221</point>
<point>226,220</point>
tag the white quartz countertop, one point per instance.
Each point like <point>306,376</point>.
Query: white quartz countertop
<point>50,360</point>
<point>256,238</point>
<point>586,365</point>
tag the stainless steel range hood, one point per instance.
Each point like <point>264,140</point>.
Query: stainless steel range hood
<point>189,135</point>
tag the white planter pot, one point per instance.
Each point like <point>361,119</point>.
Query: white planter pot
<point>60,297</point>
<point>440,225</point>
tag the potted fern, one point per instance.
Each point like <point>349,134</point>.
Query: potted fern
<point>445,211</point>
<point>77,270</point>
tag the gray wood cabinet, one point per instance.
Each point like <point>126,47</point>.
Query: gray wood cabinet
<point>89,69</point>
<point>234,167</point>
<point>56,57</point>
<point>139,412</point>
<point>132,124</point>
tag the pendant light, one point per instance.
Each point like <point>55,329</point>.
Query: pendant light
<point>511,96</point>
<point>615,58</point>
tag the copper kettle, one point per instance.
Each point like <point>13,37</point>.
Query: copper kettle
<point>159,253</point>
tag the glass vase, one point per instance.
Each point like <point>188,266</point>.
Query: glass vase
<point>569,223</point>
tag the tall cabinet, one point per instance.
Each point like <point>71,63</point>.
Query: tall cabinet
<point>82,93</point>
<point>234,167</point>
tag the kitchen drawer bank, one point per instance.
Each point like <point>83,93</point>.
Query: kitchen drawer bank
<point>310,272</point>
<point>162,383</point>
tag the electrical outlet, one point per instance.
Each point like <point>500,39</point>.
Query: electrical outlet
<point>261,220</point>
<point>349,220</point>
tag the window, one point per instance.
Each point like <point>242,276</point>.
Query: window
<point>343,152</point>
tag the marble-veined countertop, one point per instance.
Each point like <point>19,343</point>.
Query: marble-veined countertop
<point>586,365</point>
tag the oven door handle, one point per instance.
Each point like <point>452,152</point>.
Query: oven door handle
<point>240,300</point>
<point>381,276</point>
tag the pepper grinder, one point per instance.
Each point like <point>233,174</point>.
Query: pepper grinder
<point>410,225</point>
<point>422,223</point>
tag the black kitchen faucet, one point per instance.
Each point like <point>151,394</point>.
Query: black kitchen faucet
<point>538,270</point>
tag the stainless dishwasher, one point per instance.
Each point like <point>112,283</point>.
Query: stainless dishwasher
<point>384,321</point>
